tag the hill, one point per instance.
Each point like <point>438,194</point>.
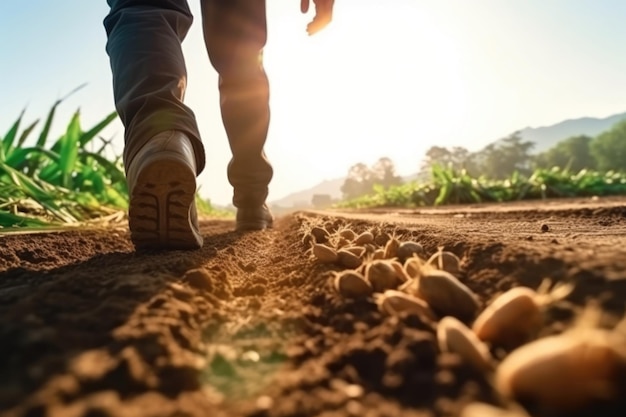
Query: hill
<point>302,199</point>
<point>546,137</point>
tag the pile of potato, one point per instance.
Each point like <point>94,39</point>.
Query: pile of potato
<point>560,373</point>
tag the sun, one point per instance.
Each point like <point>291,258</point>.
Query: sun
<point>360,85</point>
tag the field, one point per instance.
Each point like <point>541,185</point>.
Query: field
<point>251,325</point>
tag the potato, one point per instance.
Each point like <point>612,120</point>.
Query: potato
<point>347,234</point>
<point>320,234</point>
<point>369,248</point>
<point>348,259</point>
<point>454,336</point>
<point>447,295</point>
<point>511,319</point>
<point>400,272</point>
<point>446,261</point>
<point>381,239</point>
<point>364,238</point>
<point>408,249</point>
<point>352,284</point>
<point>393,302</point>
<point>378,254</point>
<point>324,253</point>
<point>564,372</point>
<point>413,266</point>
<point>381,275</point>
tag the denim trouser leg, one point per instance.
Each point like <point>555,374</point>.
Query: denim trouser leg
<point>149,80</point>
<point>235,34</point>
<point>149,73</point>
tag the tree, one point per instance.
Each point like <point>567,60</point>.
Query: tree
<point>384,173</point>
<point>609,148</point>
<point>361,178</point>
<point>573,153</point>
<point>502,158</point>
<point>437,155</point>
<point>456,157</point>
<point>358,181</point>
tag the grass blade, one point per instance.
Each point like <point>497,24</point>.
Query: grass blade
<point>37,193</point>
<point>13,220</point>
<point>68,151</point>
<point>25,134</point>
<point>88,136</point>
<point>115,172</point>
<point>43,136</point>
<point>7,141</point>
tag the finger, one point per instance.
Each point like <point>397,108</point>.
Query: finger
<point>304,6</point>
<point>317,24</point>
<point>323,16</point>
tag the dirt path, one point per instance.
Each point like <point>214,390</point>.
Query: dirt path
<point>250,325</point>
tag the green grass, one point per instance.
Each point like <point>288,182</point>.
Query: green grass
<point>71,179</point>
<point>449,186</point>
<point>205,208</point>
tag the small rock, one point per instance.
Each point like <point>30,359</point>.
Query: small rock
<point>180,292</point>
<point>353,391</point>
<point>250,356</point>
<point>264,402</point>
<point>199,278</point>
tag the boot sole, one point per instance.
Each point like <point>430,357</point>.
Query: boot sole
<point>159,212</point>
<point>244,226</point>
<point>251,225</point>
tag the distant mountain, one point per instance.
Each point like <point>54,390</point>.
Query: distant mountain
<point>544,138</point>
<point>303,198</point>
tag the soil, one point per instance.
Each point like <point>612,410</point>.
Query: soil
<point>251,325</point>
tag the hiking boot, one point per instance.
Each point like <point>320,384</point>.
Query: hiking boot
<point>162,187</point>
<point>254,218</point>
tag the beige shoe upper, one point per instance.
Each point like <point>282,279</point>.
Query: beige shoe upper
<point>173,143</point>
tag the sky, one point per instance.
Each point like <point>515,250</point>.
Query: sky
<point>385,79</point>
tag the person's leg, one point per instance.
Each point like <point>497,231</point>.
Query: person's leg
<point>235,33</point>
<point>162,153</point>
<point>149,73</point>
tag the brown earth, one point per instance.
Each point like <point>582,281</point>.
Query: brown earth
<point>251,326</point>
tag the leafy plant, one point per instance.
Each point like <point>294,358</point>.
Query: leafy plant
<point>70,179</point>
<point>452,186</point>
<point>58,181</point>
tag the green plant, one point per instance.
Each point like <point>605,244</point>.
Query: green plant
<point>75,178</point>
<point>451,186</point>
<point>60,181</point>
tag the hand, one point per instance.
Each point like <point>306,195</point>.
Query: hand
<point>323,14</point>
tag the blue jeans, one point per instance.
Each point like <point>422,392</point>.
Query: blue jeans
<point>149,80</point>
